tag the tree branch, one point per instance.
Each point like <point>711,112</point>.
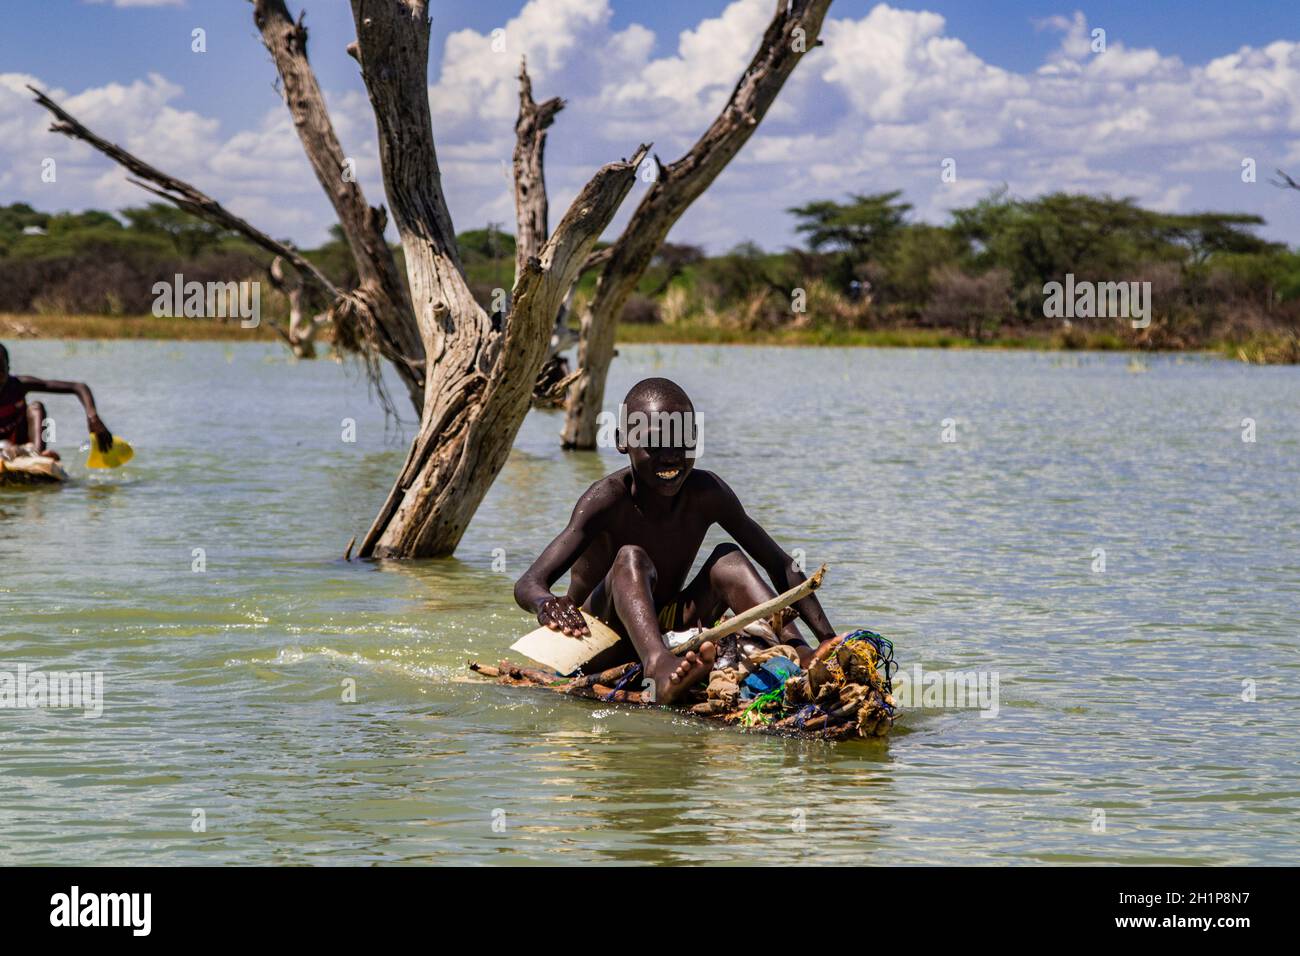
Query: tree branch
<point>393,50</point>
<point>1286,182</point>
<point>569,248</point>
<point>530,177</point>
<point>597,258</point>
<point>182,194</point>
<point>793,31</point>
<point>388,322</point>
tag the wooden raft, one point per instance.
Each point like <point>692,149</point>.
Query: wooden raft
<point>31,470</point>
<point>841,696</point>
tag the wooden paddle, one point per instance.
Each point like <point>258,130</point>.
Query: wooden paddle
<point>565,653</point>
<point>756,613</point>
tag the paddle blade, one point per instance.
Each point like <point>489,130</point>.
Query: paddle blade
<point>562,653</point>
<point>115,457</point>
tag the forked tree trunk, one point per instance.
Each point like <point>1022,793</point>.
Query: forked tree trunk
<point>792,32</point>
<point>385,319</point>
<point>480,377</point>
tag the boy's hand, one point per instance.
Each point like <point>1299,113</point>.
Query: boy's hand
<point>561,614</point>
<point>103,437</point>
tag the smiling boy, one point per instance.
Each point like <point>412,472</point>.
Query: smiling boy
<point>633,537</point>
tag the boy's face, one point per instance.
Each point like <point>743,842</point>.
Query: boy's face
<point>656,436</point>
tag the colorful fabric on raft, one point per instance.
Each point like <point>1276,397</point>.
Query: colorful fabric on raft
<point>846,692</point>
<point>770,675</point>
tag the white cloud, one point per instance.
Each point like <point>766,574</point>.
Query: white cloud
<point>259,173</point>
<point>889,95</point>
<point>1125,120</point>
<point>140,3</point>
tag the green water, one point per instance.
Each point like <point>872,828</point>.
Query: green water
<point>224,689</point>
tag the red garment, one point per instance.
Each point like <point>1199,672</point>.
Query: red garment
<point>13,411</point>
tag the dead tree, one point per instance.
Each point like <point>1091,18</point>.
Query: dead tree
<point>380,311</point>
<point>301,334</point>
<point>480,377</point>
<point>471,374</point>
<point>792,31</point>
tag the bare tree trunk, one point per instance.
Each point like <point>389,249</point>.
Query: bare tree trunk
<point>302,330</point>
<point>387,322</point>
<point>792,31</point>
<point>480,377</point>
<point>532,228</point>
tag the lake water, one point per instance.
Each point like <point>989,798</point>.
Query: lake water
<point>1121,733</point>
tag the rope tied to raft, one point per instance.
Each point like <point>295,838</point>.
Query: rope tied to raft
<point>884,648</point>
<point>623,681</point>
<point>809,711</point>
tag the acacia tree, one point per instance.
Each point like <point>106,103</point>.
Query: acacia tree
<point>793,31</point>
<point>469,374</point>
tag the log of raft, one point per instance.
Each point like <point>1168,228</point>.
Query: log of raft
<point>31,470</point>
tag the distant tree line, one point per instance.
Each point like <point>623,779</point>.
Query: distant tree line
<point>983,273</point>
<point>865,264</point>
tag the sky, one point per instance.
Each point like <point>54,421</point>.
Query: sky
<point>1012,92</point>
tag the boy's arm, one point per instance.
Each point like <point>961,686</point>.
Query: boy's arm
<point>758,544</point>
<point>533,589</point>
<point>93,424</point>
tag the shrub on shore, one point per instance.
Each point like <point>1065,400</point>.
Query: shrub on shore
<point>982,277</point>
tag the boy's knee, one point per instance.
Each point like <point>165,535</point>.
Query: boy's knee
<point>726,553</point>
<point>36,410</point>
<point>633,557</point>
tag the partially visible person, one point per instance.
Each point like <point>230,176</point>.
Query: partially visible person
<point>20,420</point>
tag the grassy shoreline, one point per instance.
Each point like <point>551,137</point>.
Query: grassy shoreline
<point>850,338</point>
<point>147,327</point>
<point>1264,349</point>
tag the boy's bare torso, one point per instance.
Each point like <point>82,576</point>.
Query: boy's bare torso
<point>672,534</point>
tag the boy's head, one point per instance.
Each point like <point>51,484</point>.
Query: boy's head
<point>659,432</point>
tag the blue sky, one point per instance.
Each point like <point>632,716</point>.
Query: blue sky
<point>1183,93</point>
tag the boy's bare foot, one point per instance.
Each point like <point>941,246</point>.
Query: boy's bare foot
<point>674,677</point>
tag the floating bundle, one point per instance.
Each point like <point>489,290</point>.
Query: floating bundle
<point>845,692</point>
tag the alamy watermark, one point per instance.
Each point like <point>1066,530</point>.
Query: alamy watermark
<point>24,688</point>
<point>133,911</point>
<point>1098,300</point>
<point>973,690</point>
<point>213,300</point>
<point>655,429</point>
